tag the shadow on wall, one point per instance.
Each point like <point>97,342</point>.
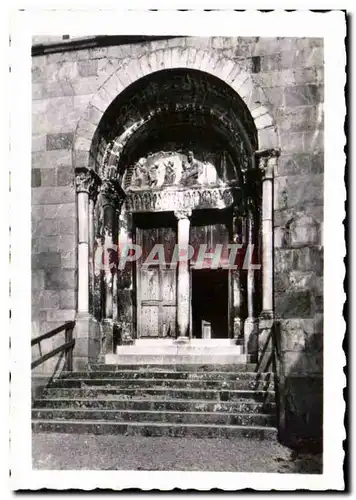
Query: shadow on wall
<point>299,389</point>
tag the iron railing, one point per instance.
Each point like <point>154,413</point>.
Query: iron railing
<point>271,359</point>
<point>67,347</point>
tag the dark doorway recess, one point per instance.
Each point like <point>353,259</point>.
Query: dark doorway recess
<point>210,301</point>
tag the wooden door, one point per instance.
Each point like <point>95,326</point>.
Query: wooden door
<point>156,285</point>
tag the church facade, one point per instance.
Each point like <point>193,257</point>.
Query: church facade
<point>177,200</point>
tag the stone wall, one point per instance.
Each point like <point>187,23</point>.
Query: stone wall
<point>288,74</point>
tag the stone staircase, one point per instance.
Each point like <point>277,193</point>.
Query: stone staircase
<point>177,400</point>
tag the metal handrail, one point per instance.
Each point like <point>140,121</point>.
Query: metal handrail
<point>67,347</point>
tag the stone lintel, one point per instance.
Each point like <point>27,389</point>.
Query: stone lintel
<point>182,200</point>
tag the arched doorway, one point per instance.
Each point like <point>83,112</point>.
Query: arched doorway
<point>173,163</point>
<point>175,153</point>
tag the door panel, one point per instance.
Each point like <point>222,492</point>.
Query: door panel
<point>149,321</point>
<point>156,286</point>
<point>150,283</point>
<point>168,285</point>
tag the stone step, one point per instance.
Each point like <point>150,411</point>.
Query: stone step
<point>154,404</point>
<point>151,341</point>
<point>214,418</point>
<point>179,367</point>
<point>179,350</point>
<point>162,375</point>
<point>223,383</point>
<point>163,392</point>
<point>175,359</point>
<point>154,429</point>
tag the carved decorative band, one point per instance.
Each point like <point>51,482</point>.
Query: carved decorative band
<point>180,201</point>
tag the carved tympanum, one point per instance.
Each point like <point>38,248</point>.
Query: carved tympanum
<point>165,169</point>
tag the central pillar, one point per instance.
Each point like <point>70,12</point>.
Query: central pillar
<point>183,284</point>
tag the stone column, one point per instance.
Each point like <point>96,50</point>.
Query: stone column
<point>250,327</point>
<point>83,181</point>
<point>93,194</point>
<point>267,163</point>
<point>111,199</point>
<point>183,284</point>
<point>87,344</point>
<point>237,298</point>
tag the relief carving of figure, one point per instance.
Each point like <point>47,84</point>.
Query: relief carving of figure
<point>192,169</point>
<point>140,173</point>
<point>170,173</point>
<point>153,175</point>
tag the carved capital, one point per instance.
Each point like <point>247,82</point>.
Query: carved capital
<point>94,186</point>
<point>267,161</point>
<point>183,214</point>
<point>82,179</point>
<point>86,180</point>
<point>111,193</point>
<point>268,153</point>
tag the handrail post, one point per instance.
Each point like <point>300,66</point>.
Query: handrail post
<point>69,352</point>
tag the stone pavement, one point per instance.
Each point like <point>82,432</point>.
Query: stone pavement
<point>103,452</point>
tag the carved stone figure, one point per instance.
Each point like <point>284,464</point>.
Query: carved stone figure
<point>170,173</point>
<point>153,175</point>
<point>140,174</point>
<point>192,168</point>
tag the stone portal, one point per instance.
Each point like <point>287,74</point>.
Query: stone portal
<point>186,177</point>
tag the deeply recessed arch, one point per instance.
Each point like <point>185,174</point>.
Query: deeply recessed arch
<point>220,67</point>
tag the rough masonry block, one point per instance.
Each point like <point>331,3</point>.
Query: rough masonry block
<point>59,141</point>
<point>68,260</point>
<point>67,225</point>
<point>48,177</point>
<point>88,67</point>
<point>300,164</point>
<point>45,260</point>
<point>59,210</point>
<point>302,363</point>
<point>298,190</point>
<point>61,315</point>
<point>65,176</point>
<point>60,279</point>
<point>48,195</point>
<point>35,177</point>
<point>51,159</point>
<point>45,228</point>
<point>303,118</point>
<point>45,299</point>
<point>303,95</point>
<point>293,304</point>
<point>67,299</point>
